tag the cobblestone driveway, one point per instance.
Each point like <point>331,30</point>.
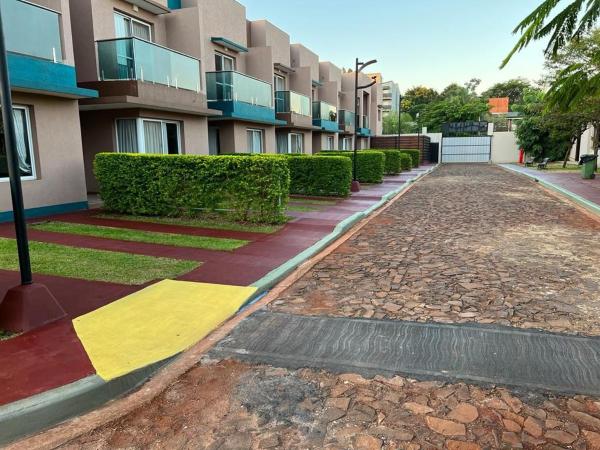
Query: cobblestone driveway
<point>468,243</point>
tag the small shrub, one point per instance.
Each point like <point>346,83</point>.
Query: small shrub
<point>370,167</point>
<point>415,155</point>
<point>249,189</point>
<point>312,175</point>
<point>392,160</point>
<point>405,162</point>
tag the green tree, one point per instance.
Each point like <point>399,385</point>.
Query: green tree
<point>407,123</point>
<point>569,24</point>
<point>416,98</point>
<point>513,89</point>
<point>453,109</point>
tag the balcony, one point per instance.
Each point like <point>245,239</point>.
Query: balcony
<point>362,124</point>
<point>347,121</point>
<point>35,56</point>
<point>293,108</point>
<point>239,96</point>
<point>136,59</point>
<point>325,117</point>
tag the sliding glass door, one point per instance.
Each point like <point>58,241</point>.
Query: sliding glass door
<point>151,136</point>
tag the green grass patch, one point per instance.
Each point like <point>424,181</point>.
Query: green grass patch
<point>214,222</point>
<point>302,208</point>
<point>149,237</point>
<point>312,201</point>
<point>6,335</point>
<point>96,265</point>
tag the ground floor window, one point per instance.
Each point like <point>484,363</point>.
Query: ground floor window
<point>296,143</point>
<point>347,143</point>
<point>255,140</point>
<point>24,145</point>
<point>148,136</point>
<point>330,144</point>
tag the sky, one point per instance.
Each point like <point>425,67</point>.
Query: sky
<point>416,42</point>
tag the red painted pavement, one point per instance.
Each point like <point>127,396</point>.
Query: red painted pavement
<point>52,356</point>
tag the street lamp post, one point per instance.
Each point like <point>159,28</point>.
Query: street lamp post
<point>359,67</point>
<point>399,120</point>
<point>28,305</point>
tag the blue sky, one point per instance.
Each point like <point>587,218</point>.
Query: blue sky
<point>430,42</point>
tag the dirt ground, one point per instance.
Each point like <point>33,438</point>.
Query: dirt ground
<point>230,405</point>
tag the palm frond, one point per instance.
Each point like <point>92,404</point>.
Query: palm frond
<point>572,85</point>
<point>561,28</point>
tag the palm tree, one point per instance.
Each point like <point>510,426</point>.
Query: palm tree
<point>577,18</point>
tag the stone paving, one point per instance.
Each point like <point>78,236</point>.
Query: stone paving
<point>468,244</point>
<point>229,405</point>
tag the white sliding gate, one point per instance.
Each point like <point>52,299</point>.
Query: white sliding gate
<point>474,149</point>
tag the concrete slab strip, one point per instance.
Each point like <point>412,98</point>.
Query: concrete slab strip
<point>476,353</point>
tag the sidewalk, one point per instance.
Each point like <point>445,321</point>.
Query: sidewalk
<point>568,182</point>
<point>53,356</point>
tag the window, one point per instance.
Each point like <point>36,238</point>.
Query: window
<point>255,140</point>
<point>330,143</point>
<point>24,145</point>
<point>224,63</point>
<point>279,83</point>
<point>347,143</point>
<point>126,26</point>
<point>148,136</point>
<point>296,143</point>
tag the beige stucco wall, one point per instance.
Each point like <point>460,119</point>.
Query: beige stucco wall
<point>505,148</point>
<point>303,57</point>
<point>301,81</point>
<point>234,140</point>
<point>99,134</point>
<point>263,33</point>
<point>320,141</point>
<point>57,154</point>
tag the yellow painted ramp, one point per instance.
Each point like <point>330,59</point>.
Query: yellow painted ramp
<point>155,323</point>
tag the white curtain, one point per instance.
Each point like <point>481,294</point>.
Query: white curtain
<point>121,26</point>
<point>296,143</point>
<point>282,143</point>
<point>153,137</point>
<point>254,141</point>
<point>127,136</point>
<point>22,142</point>
<point>140,30</point>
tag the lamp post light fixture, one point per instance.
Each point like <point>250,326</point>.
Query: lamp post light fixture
<point>359,67</point>
<point>399,120</point>
<point>28,305</point>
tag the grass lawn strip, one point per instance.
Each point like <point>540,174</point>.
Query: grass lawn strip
<point>95,265</point>
<point>211,222</point>
<point>312,201</point>
<point>150,237</point>
<point>302,208</point>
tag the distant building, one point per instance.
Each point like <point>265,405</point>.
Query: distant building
<point>499,105</point>
<point>391,97</point>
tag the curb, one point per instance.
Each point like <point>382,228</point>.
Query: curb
<point>587,204</point>
<point>32,415</point>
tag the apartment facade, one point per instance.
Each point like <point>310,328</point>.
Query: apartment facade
<point>390,97</point>
<point>45,100</point>
<point>163,77</point>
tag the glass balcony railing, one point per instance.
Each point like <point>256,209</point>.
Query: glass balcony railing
<point>234,86</point>
<point>31,30</point>
<point>292,102</point>
<point>347,119</point>
<point>136,59</point>
<point>324,111</point>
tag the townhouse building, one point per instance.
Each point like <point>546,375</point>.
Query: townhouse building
<point>163,77</point>
<point>45,95</point>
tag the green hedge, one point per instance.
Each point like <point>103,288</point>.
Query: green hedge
<point>405,162</point>
<point>393,165</point>
<point>415,155</point>
<point>371,164</point>
<point>312,175</point>
<point>249,189</point>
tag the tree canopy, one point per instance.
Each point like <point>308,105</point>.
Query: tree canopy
<point>513,89</point>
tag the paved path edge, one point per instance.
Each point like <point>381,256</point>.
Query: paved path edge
<point>61,407</point>
<point>585,203</point>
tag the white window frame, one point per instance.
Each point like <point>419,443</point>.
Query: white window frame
<point>139,125</point>
<point>133,19</point>
<point>33,175</point>
<point>262,139</point>
<point>301,136</point>
<point>281,78</point>
<point>347,140</point>
<point>224,56</point>
<point>330,140</point>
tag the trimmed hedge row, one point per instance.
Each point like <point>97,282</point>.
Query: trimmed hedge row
<point>415,155</point>
<point>371,164</point>
<point>312,175</point>
<point>393,165</point>
<point>249,189</point>
<point>405,162</point>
